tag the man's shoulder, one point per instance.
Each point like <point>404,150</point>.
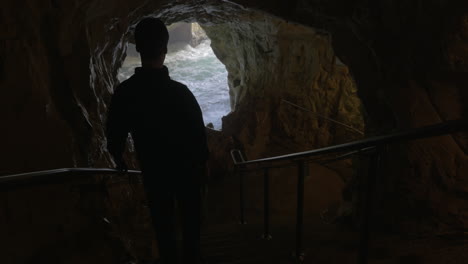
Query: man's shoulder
<point>178,85</point>
<point>125,86</point>
<point>180,88</point>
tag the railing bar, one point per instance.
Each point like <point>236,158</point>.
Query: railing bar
<point>241,197</point>
<point>233,156</point>
<point>318,161</point>
<point>302,172</point>
<point>36,174</point>
<point>32,174</point>
<point>346,156</point>
<point>266,204</point>
<point>367,206</point>
<point>448,127</point>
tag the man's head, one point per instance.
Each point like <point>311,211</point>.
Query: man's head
<point>151,37</point>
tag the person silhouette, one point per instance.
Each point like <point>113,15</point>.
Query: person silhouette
<point>166,125</point>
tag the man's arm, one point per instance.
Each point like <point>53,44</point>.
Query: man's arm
<point>197,126</point>
<point>116,129</point>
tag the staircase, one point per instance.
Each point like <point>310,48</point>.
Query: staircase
<point>224,239</point>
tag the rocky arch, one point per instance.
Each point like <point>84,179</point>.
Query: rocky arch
<point>284,78</point>
<point>75,47</point>
<point>409,60</point>
<point>386,45</point>
<point>254,46</point>
<point>66,46</point>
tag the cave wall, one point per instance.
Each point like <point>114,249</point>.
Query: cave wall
<point>180,32</point>
<point>84,45</point>
<point>289,93</point>
<point>409,60</point>
<point>284,78</point>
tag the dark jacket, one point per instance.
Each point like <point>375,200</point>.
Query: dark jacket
<point>163,117</point>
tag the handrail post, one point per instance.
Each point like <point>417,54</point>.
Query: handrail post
<point>266,204</point>
<point>239,170</point>
<point>241,195</point>
<point>302,171</point>
<point>367,205</point>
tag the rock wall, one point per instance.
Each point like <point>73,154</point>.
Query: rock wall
<point>180,32</point>
<point>188,33</point>
<point>288,91</point>
<point>198,35</point>
<point>409,61</point>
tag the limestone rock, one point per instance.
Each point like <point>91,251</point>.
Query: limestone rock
<point>180,32</point>
<point>198,35</point>
<point>406,66</point>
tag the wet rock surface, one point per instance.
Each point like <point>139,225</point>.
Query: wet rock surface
<point>406,64</point>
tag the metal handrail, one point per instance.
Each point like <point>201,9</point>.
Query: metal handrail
<point>374,144</point>
<point>40,174</point>
<point>447,127</point>
<point>355,147</point>
<point>328,160</point>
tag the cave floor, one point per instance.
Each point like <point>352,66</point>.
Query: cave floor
<point>224,240</point>
<point>324,244</point>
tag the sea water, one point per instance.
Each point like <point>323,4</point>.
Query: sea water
<point>199,69</point>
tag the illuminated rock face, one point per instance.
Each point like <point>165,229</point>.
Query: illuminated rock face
<point>188,33</point>
<point>68,59</point>
<point>59,62</point>
<point>180,32</point>
<point>288,90</point>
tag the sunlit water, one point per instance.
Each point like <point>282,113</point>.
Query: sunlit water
<point>201,71</point>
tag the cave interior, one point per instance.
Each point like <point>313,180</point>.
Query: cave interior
<point>302,75</point>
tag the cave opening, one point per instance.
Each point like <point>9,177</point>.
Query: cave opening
<point>284,85</point>
<point>191,61</point>
<point>59,63</point>
<point>287,91</point>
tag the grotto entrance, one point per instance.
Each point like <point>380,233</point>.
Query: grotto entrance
<point>191,61</point>
<point>66,56</point>
<point>288,92</point>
